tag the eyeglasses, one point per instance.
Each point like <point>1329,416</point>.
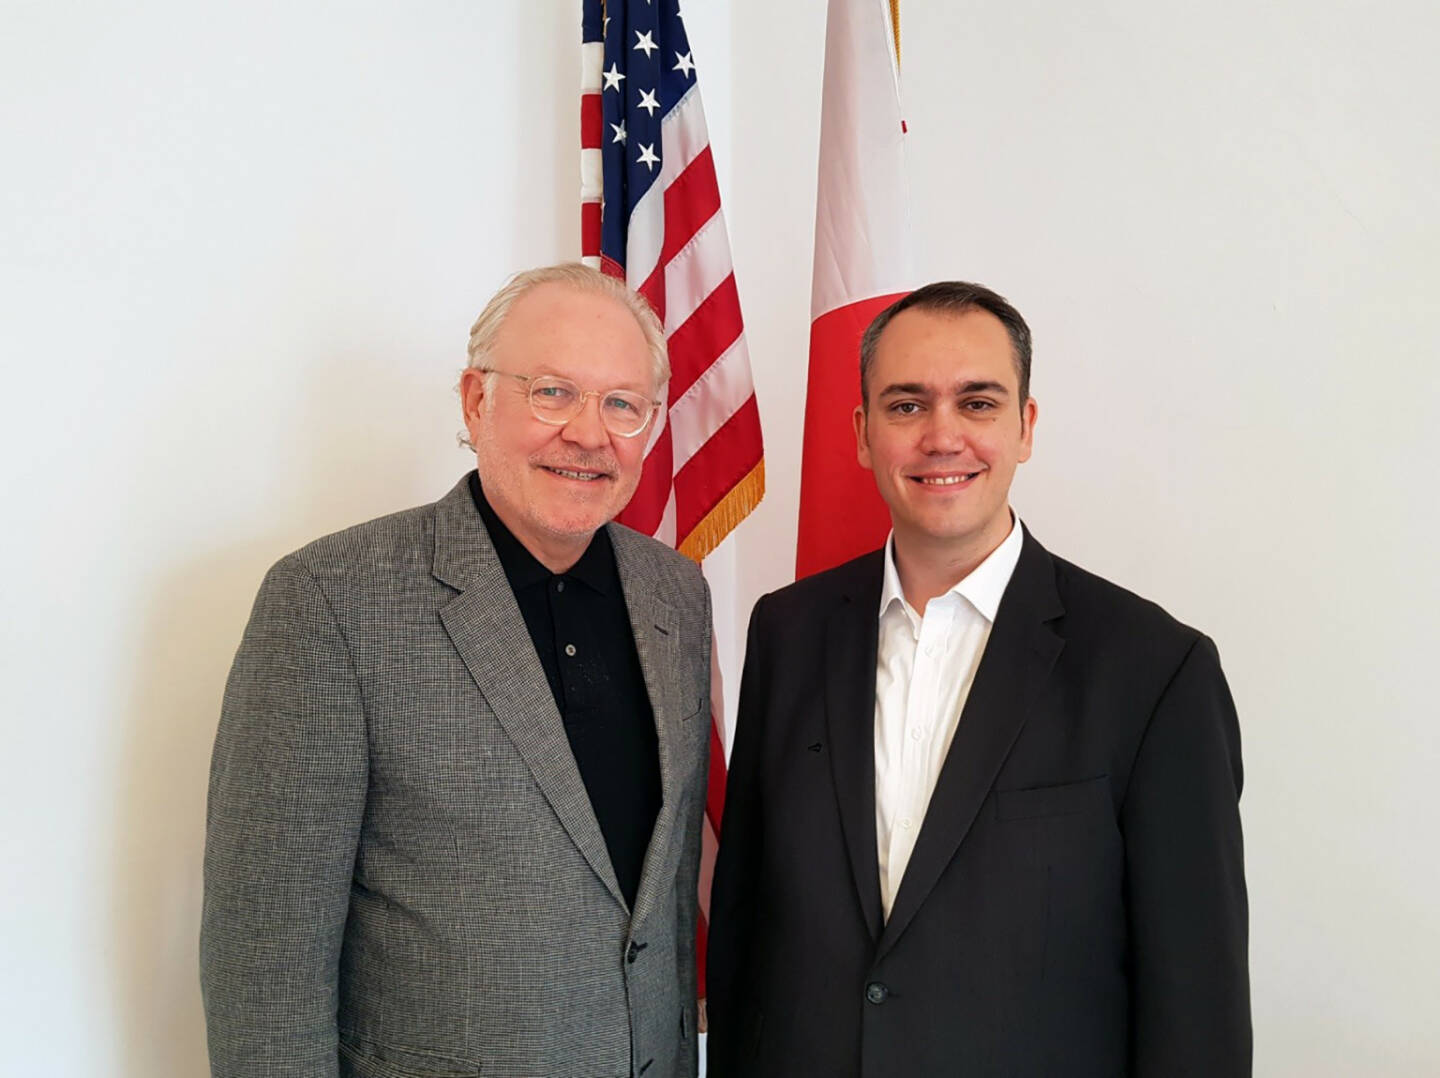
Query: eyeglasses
<point>558,400</point>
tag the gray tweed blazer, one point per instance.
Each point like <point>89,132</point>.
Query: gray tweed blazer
<point>403,874</point>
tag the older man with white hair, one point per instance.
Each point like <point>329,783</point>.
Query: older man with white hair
<point>456,797</point>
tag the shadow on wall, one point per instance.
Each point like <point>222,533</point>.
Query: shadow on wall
<point>188,641</point>
<point>348,468</point>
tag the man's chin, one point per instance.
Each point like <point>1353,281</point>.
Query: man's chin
<point>576,525</point>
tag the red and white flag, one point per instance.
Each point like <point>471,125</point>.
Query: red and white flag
<point>862,265</point>
<point>650,214</point>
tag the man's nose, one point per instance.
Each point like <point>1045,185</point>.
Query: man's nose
<point>944,432</point>
<point>586,429</point>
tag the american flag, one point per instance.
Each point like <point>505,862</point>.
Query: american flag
<point>650,213</point>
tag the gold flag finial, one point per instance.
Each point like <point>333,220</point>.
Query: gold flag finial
<point>895,27</point>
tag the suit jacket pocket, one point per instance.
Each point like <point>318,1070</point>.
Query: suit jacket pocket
<point>396,1061</point>
<point>1063,800</point>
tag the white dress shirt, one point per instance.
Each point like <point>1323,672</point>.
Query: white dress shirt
<point>923,673</point>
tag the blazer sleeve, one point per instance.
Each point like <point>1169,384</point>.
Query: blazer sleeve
<point>286,798</point>
<point>737,868</point>
<point>1185,882</point>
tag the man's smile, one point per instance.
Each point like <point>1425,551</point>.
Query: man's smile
<point>584,475</point>
<point>943,479</point>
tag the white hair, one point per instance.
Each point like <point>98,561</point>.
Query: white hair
<point>583,279</point>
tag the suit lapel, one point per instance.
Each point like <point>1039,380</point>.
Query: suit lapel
<point>1018,658</point>
<point>657,641</point>
<point>849,676</point>
<point>486,627</point>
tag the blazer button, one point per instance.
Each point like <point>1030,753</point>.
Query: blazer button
<point>876,992</point>
<point>634,951</point>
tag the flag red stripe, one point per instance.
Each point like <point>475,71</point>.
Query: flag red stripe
<point>647,506</point>
<point>590,228</point>
<point>833,486</point>
<point>691,200</point>
<point>718,465</point>
<point>654,290</point>
<point>704,337</point>
<point>592,121</point>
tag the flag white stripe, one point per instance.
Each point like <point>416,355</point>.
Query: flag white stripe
<point>592,175</point>
<point>683,136</point>
<point>592,61</point>
<point>710,402</point>
<point>647,234</point>
<point>666,531</point>
<point>697,269</point>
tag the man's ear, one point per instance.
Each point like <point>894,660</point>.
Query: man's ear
<point>472,400</point>
<point>1029,412</point>
<point>862,437</point>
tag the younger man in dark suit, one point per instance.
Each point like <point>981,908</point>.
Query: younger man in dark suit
<point>982,813</point>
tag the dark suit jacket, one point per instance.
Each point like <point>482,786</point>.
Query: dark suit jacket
<point>403,871</point>
<point>1075,903</point>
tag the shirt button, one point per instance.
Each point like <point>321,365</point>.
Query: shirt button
<point>906,823</point>
<point>559,585</point>
<point>916,733</point>
<point>931,651</point>
<point>570,650</point>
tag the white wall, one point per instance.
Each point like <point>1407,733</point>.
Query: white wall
<point>241,245</point>
<point>1223,224</point>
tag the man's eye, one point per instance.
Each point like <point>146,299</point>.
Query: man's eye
<point>554,393</point>
<point>979,406</point>
<point>621,405</point>
<point>905,407</point>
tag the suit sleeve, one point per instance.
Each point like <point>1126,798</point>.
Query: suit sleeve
<point>737,868</point>
<point>1185,882</point>
<point>286,798</point>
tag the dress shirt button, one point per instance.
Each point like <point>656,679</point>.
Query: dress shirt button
<point>906,823</point>
<point>876,992</point>
<point>916,733</point>
<point>559,585</point>
<point>570,650</point>
<point>931,651</point>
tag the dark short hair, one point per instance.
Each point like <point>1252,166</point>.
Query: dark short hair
<point>956,298</point>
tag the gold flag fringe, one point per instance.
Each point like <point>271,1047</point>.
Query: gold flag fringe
<point>728,512</point>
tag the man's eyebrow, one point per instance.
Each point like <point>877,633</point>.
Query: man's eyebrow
<point>999,389</point>
<point>908,389</point>
<point>920,389</point>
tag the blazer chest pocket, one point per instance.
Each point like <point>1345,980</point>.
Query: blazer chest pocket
<point>1067,799</point>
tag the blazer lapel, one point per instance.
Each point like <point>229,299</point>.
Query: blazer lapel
<point>851,634</point>
<point>657,642</point>
<point>1018,658</point>
<point>486,627</point>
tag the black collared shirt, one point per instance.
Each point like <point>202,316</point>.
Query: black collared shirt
<point>580,627</point>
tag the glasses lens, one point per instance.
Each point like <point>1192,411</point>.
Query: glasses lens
<point>554,399</point>
<point>559,400</point>
<point>624,412</point>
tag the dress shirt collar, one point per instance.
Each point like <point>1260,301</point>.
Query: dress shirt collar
<point>595,569</point>
<point>983,588</point>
